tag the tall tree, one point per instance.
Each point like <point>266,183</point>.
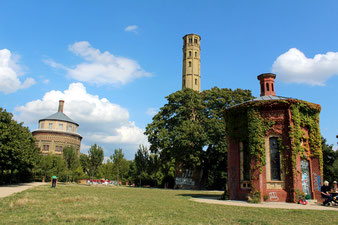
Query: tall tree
<point>70,157</point>
<point>18,153</point>
<point>96,157</point>
<point>176,131</point>
<point>141,163</point>
<point>84,162</point>
<point>216,100</point>
<point>120,164</point>
<point>190,130</point>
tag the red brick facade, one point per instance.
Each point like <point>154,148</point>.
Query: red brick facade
<point>306,172</point>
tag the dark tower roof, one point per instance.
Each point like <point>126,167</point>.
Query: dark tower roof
<point>60,116</point>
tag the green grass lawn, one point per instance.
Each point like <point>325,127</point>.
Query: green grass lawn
<point>77,204</point>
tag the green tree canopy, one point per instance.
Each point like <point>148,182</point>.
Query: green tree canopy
<point>18,153</point>
<point>71,159</point>
<point>190,130</point>
<point>96,156</point>
<point>330,162</point>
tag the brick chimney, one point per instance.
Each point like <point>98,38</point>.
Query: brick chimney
<point>61,103</point>
<point>267,82</point>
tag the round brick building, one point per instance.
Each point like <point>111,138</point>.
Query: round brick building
<point>56,132</point>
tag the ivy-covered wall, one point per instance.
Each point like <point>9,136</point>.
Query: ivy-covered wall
<point>295,121</point>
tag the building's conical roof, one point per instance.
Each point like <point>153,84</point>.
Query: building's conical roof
<point>60,116</point>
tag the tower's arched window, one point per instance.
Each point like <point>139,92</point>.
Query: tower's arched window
<point>189,53</point>
<point>189,64</point>
<point>272,87</point>
<point>195,54</point>
<point>195,41</point>
<point>195,81</point>
<point>267,86</point>
<point>274,159</point>
<point>190,40</point>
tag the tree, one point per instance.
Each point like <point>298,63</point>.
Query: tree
<point>189,131</point>
<point>216,101</point>
<point>141,164</point>
<point>96,156</point>
<point>18,153</point>
<point>120,164</point>
<point>330,162</point>
<point>70,157</point>
<point>84,162</point>
<point>176,131</point>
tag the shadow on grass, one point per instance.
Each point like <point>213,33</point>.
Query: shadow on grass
<point>207,196</point>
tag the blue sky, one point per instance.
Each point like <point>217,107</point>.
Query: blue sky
<point>113,62</point>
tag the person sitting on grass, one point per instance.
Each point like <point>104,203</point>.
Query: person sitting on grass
<point>335,187</point>
<point>325,193</point>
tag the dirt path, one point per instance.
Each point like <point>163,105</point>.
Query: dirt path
<point>276,205</point>
<point>7,190</point>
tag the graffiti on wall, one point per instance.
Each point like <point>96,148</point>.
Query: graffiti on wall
<point>273,196</point>
<point>184,181</point>
<point>317,181</point>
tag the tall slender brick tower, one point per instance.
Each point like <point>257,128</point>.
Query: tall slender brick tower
<point>191,71</point>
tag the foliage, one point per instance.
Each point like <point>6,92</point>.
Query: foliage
<point>254,197</point>
<point>95,156</point>
<point>18,153</point>
<point>84,162</point>
<point>71,159</point>
<point>189,123</point>
<point>120,165</point>
<point>148,170</point>
<point>305,115</point>
<point>330,159</point>
<point>299,195</point>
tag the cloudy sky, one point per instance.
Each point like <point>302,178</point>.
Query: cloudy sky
<point>113,63</point>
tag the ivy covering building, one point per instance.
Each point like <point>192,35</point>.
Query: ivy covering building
<point>274,147</point>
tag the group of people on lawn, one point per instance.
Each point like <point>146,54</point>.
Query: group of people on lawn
<point>329,194</point>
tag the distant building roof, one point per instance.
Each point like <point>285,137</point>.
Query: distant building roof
<point>60,116</point>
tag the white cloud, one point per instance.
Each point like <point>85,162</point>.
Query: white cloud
<point>100,67</point>
<point>10,72</point>
<point>294,67</point>
<point>152,111</point>
<point>131,28</point>
<point>100,121</point>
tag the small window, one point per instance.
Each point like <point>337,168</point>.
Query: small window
<point>189,64</point>
<point>50,125</point>
<point>45,148</point>
<point>58,148</point>
<point>190,40</point>
<point>70,127</point>
<point>189,53</point>
<point>272,87</point>
<point>195,41</point>
<point>267,86</point>
<point>195,54</point>
<point>195,81</point>
<point>41,125</point>
<point>60,126</point>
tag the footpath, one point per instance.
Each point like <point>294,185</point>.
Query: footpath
<point>270,205</point>
<point>8,190</point>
